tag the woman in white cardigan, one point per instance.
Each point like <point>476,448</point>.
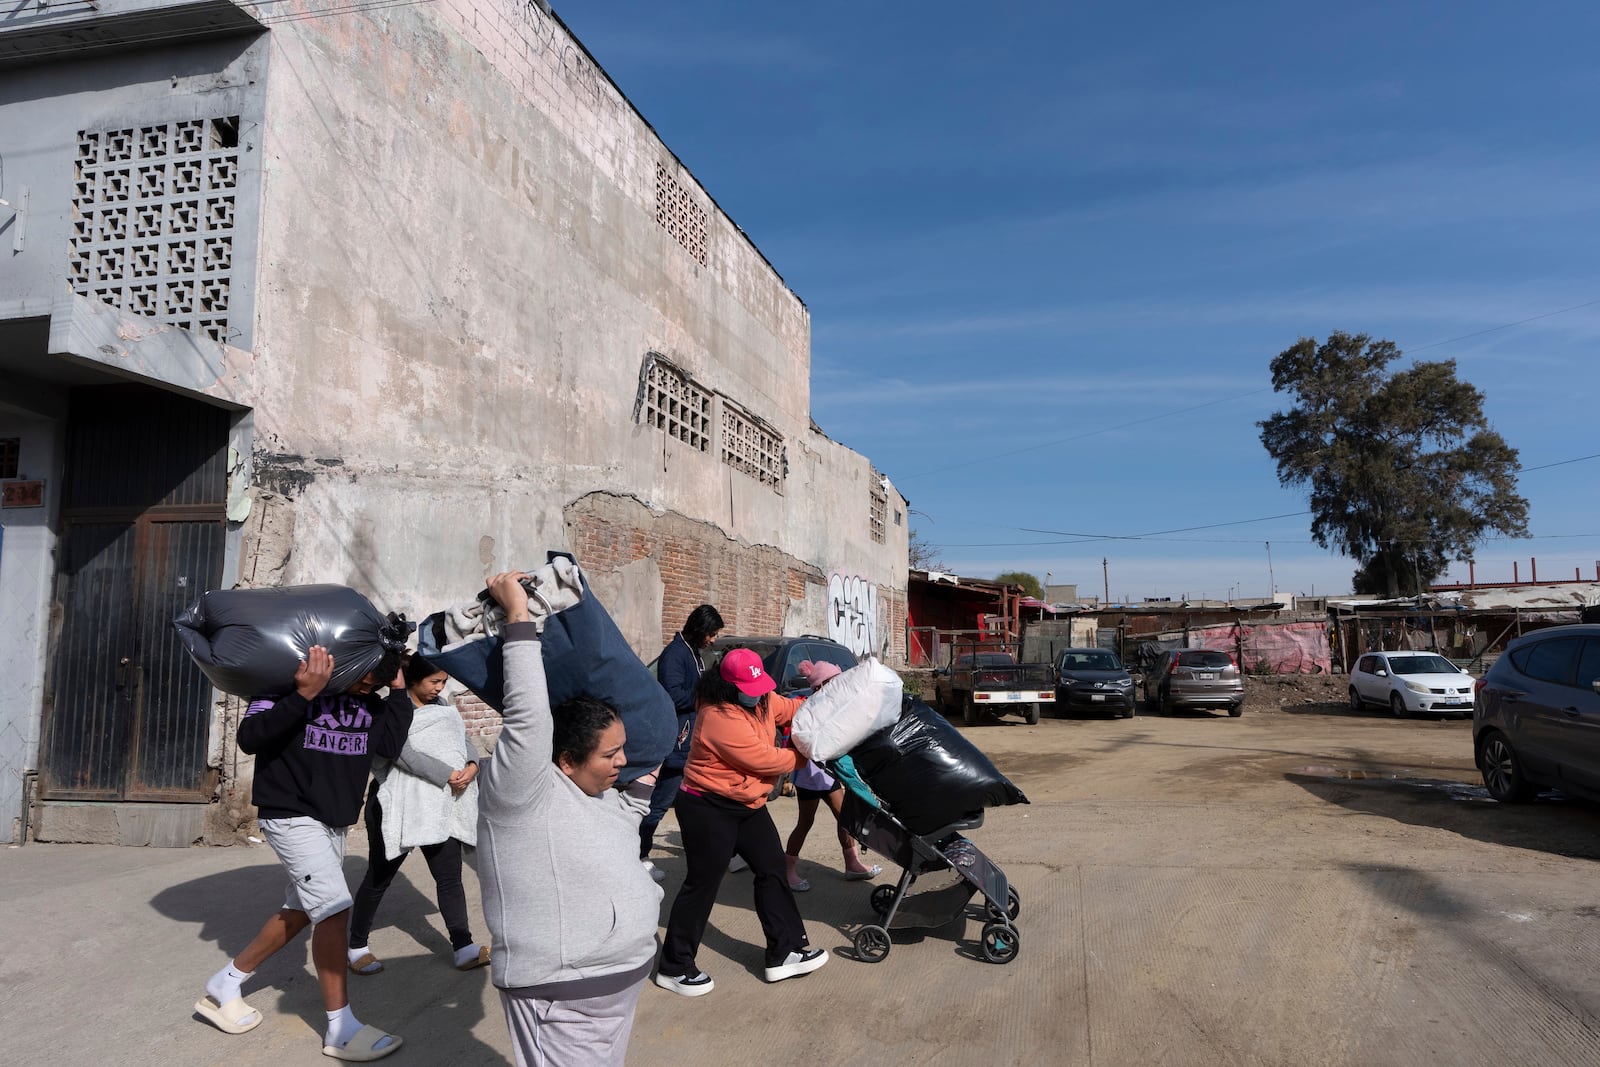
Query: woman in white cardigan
<point>428,799</point>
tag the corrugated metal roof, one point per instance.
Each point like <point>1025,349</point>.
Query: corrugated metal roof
<point>1555,596</point>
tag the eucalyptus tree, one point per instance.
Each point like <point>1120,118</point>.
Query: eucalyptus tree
<point>1403,470</point>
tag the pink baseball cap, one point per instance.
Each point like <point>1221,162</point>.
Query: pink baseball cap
<point>742,667</point>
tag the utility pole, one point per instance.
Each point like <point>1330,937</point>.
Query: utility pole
<point>1272,583</point>
<point>1105,576</point>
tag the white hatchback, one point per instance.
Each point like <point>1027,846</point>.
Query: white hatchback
<point>1411,682</point>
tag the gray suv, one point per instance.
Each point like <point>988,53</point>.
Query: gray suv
<point>1536,715</point>
<point>1195,678</point>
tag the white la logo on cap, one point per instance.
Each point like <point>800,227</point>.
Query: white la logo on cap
<point>755,672</point>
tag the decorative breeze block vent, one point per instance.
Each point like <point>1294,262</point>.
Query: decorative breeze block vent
<point>153,220</point>
<point>676,406</point>
<point>680,214</point>
<point>879,511</point>
<point>751,448</point>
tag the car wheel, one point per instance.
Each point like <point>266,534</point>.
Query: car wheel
<point>1235,710</point>
<point>1133,709</point>
<point>1031,714</point>
<point>1397,705</point>
<point>969,710</point>
<point>1502,770</point>
<point>1355,700</point>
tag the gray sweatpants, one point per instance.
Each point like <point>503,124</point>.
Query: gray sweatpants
<point>570,1033</point>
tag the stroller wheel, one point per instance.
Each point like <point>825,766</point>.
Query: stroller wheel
<point>1013,906</point>
<point>882,897</point>
<point>1000,943</point>
<point>872,943</point>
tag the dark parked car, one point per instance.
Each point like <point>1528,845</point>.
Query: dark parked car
<point>1195,678</point>
<point>781,656</point>
<point>1094,678</point>
<point>1536,715</point>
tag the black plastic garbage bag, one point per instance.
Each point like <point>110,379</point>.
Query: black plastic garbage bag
<point>927,773</point>
<point>584,655</point>
<point>250,641</point>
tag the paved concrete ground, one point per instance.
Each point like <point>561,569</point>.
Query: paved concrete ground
<point>1300,885</point>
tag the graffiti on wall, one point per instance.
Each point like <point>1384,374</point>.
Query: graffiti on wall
<point>853,613</point>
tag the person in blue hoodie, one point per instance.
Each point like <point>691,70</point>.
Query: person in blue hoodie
<point>678,670</point>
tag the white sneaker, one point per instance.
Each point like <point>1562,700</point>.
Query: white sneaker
<point>798,963</point>
<point>697,984</point>
<point>737,864</point>
<point>655,872</point>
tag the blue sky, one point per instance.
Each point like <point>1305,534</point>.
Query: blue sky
<point>1050,250</point>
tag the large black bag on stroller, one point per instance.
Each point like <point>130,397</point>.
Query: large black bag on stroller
<point>927,773</point>
<point>584,654</point>
<point>250,641</point>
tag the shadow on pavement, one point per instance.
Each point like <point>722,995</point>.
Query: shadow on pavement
<point>422,998</point>
<point>1552,823</point>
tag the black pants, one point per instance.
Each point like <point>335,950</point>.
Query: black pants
<point>444,863</point>
<point>661,798</point>
<point>714,829</point>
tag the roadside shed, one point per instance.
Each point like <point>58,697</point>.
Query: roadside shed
<point>1468,625</point>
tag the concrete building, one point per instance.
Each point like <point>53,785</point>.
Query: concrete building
<point>386,295</point>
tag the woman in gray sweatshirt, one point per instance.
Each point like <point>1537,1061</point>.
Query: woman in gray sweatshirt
<point>572,912</point>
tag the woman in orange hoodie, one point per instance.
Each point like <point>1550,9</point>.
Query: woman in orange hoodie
<point>722,811</point>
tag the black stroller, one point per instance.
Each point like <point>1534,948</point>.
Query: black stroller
<point>943,849</point>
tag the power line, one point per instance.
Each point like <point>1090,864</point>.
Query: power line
<point>1078,537</point>
<point>1506,326</point>
<point>265,20</point>
<point>1229,399</point>
<point>1158,533</point>
<point>1558,463</point>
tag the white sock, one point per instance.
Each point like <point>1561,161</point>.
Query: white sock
<point>357,953</point>
<point>342,1026</point>
<point>224,985</point>
<point>466,954</point>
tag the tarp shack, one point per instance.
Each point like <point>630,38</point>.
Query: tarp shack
<point>1470,626</point>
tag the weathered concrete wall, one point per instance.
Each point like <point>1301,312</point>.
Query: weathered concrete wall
<point>79,340</point>
<point>468,244</point>
<point>44,107</point>
<point>462,273</point>
<point>27,567</point>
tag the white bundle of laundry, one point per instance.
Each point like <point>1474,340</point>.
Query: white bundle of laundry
<point>849,709</point>
<point>556,586</point>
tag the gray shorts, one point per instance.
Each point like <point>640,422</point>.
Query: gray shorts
<point>312,854</point>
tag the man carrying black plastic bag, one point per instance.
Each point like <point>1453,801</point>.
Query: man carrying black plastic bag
<point>313,752</point>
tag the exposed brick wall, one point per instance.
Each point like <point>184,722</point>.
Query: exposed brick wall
<point>751,586</point>
<point>892,605</point>
<point>482,722</point>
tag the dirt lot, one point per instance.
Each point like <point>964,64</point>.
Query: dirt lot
<point>1300,885</point>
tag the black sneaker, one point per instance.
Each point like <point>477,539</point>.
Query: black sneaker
<point>697,984</point>
<point>798,963</point>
